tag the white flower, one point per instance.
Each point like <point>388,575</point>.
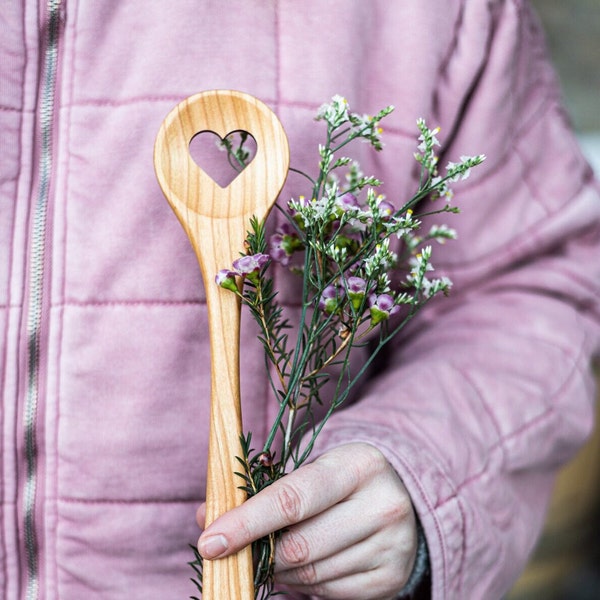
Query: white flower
<point>443,284</point>
<point>462,170</point>
<point>380,261</point>
<point>334,112</point>
<point>441,233</point>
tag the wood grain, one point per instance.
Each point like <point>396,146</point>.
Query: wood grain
<point>216,221</point>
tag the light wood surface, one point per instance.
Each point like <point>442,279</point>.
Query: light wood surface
<point>216,221</point>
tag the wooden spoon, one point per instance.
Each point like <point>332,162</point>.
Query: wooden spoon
<point>216,221</point>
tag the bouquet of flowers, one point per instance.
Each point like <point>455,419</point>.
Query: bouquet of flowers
<point>366,270</point>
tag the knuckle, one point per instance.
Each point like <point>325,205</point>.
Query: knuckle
<point>369,463</point>
<point>289,503</point>
<point>398,510</point>
<point>393,512</point>
<point>373,461</point>
<point>307,575</point>
<point>294,549</point>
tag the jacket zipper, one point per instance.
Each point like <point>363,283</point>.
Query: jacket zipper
<point>48,74</point>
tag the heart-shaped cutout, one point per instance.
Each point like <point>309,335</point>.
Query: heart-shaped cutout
<point>223,159</point>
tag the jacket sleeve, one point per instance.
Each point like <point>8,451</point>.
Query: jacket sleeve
<point>489,391</point>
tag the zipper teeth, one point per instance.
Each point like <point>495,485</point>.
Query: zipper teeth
<point>36,275</point>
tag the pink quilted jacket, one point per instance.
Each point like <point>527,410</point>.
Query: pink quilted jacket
<point>103,345</point>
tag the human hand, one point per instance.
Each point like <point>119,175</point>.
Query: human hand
<point>350,529</point>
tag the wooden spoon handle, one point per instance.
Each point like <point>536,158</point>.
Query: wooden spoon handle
<point>231,577</point>
<point>217,220</point>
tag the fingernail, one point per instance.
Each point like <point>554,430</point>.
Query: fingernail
<point>213,546</point>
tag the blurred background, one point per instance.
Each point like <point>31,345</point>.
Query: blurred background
<point>566,564</point>
<point>573,35</point>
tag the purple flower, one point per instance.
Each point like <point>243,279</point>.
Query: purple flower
<point>277,249</point>
<point>330,298</point>
<point>356,285</point>
<point>287,229</point>
<point>386,209</point>
<point>357,288</point>
<point>250,263</point>
<point>283,243</point>
<point>382,306</point>
<point>346,201</point>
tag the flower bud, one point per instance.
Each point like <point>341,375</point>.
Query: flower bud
<point>265,459</point>
<point>226,279</point>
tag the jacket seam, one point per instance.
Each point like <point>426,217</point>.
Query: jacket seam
<point>277,27</point>
<point>138,303</point>
<point>14,109</point>
<point>493,448</point>
<point>128,501</point>
<point>518,244</point>
<point>544,106</point>
<point>583,306</point>
<point>132,303</point>
<point>530,424</point>
<point>67,90</point>
<point>464,374</point>
<point>280,102</point>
